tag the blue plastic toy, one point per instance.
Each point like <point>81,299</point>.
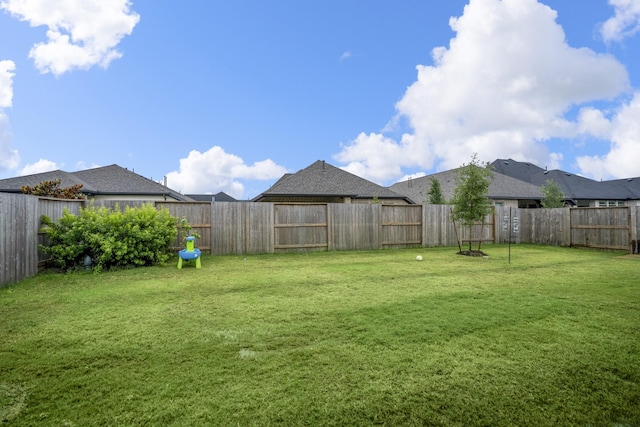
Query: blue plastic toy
<point>189,253</point>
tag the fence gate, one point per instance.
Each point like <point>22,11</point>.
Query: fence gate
<point>601,228</point>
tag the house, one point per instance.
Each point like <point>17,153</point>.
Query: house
<point>578,190</point>
<point>321,182</point>
<point>503,190</point>
<point>108,182</point>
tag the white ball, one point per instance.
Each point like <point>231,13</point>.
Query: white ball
<point>419,257</point>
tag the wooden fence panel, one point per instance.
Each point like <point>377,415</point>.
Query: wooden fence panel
<point>354,226</point>
<point>198,215</point>
<point>401,225</point>
<point>545,226</point>
<point>242,228</point>
<point>300,227</point>
<point>438,228</point>
<point>603,228</point>
<point>18,237</point>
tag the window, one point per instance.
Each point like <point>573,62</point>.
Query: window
<point>609,203</point>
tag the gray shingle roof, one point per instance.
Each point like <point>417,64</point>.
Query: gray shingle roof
<point>574,187</point>
<point>322,179</point>
<point>502,187</point>
<point>67,179</point>
<point>108,180</point>
<point>219,197</point>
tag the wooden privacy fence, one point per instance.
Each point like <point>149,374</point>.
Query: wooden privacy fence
<point>20,232</point>
<point>253,228</point>
<point>606,228</point>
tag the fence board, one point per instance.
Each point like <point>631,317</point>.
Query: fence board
<point>354,226</point>
<point>401,225</point>
<point>603,228</point>
<point>242,228</point>
<point>18,237</point>
<point>300,227</point>
<point>198,215</point>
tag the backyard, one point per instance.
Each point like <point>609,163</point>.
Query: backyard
<point>330,338</point>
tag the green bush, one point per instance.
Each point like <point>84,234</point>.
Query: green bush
<point>136,237</point>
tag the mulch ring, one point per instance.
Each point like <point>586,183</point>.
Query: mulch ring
<point>472,253</point>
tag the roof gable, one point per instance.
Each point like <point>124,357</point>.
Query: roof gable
<point>322,179</point>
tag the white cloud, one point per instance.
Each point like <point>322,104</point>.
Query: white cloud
<point>501,89</point>
<point>624,156</point>
<point>592,121</point>
<point>215,170</point>
<point>9,157</point>
<point>83,166</point>
<point>624,23</point>
<point>369,156</point>
<point>81,33</point>
<point>7,69</point>
<point>40,166</point>
<point>346,55</point>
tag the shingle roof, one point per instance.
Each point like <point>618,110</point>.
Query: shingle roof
<point>519,170</point>
<point>322,179</point>
<point>67,179</point>
<point>107,180</point>
<point>501,187</point>
<point>573,186</point>
<point>218,197</point>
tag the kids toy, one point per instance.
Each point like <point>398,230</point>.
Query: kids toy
<point>189,253</point>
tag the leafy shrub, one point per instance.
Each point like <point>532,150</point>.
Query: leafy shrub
<point>136,237</point>
<point>52,188</point>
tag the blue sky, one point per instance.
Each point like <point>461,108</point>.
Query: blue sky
<point>228,96</point>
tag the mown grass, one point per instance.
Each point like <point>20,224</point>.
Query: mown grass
<point>341,338</point>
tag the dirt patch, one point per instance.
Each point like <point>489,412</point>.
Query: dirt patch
<point>472,253</point>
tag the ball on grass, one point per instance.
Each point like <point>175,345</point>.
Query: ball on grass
<point>419,258</point>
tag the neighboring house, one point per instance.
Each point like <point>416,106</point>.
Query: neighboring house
<point>108,182</point>
<point>219,197</point>
<point>323,183</point>
<point>503,190</point>
<point>578,190</point>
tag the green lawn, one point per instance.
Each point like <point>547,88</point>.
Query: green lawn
<point>340,338</point>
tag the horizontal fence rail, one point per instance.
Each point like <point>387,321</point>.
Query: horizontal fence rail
<point>256,228</point>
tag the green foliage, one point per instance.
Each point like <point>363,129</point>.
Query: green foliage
<point>187,230</point>
<point>470,199</point>
<point>136,237</point>
<point>52,188</point>
<point>553,195</point>
<point>435,193</point>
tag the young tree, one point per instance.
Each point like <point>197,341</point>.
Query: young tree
<point>435,193</point>
<point>553,195</point>
<point>52,188</point>
<point>470,199</point>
